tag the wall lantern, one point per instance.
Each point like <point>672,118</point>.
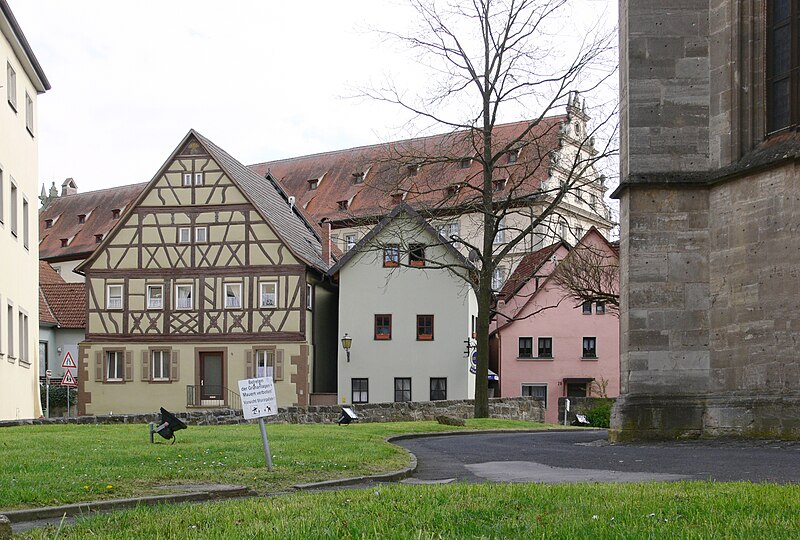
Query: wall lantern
<point>347,342</point>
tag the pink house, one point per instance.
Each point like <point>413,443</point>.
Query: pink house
<point>548,345</point>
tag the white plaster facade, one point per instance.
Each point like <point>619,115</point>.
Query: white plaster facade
<point>367,289</point>
<point>22,81</point>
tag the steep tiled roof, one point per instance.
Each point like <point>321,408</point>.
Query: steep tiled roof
<point>389,171</point>
<point>526,269</point>
<point>67,303</point>
<point>97,206</point>
<point>47,275</point>
<point>45,315</point>
<point>272,202</point>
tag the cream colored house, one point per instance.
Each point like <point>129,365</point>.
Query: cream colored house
<point>210,276</point>
<point>21,82</point>
<point>408,313</point>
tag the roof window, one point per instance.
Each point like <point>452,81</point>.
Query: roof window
<point>98,238</point>
<point>343,205</point>
<point>64,242</point>
<point>81,218</point>
<point>48,224</point>
<point>115,213</point>
<point>465,163</point>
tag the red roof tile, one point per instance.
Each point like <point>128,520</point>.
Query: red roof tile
<point>526,269</point>
<point>64,212</point>
<point>388,171</point>
<point>45,315</point>
<point>47,275</point>
<point>67,303</point>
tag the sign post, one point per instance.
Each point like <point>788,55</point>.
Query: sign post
<point>566,410</point>
<point>69,381</point>
<point>48,374</point>
<point>258,401</point>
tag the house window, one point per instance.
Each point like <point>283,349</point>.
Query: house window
<point>413,170</point>
<point>200,235</point>
<point>438,388</point>
<point>391,255</point>
<point>783,26</point>
<point>13,208</point>
<point>590,347</point>
<point>416,255</point>
<point>600,308</point>
<point>11,86</point>
<point>342,205</point>
<point>592,199</point>
<point>199,179</point>
<point>159,365</point>
<point>64,242</point>
<point>563,229</point>
<point>23,338</point>
<point>500,235</point>
<point>115,213</point>
<point>424,327</point>
<point>28,113</point>
<point>525,347</point>
<point>545,347</point>
<point>114,297</point>
<point>359,390</point>
<point>81,218</point>
<point>268,294</point>
<point>233,295</point>
<point>183,297</point>
<point>265,363</point>
<point>48,224</point>
<point>184,235</point>
<point>498,185</point>
<point>98,238</point>
<point>449,230</point>
<point>309,296</point>
<point>498,278</point>
<point>10,319</point>
<point>312,184</point>
<point>465,163</point>
<point>115,366</point>
<point>25,223</point>
<point>397,198</point>
<point>155,296</point>
<point>535,390</point>
<point>587,308</point>
<point>349,242</point>
<point>513,156</point>
<point>402,389</point>
<point>187,179</point>
<point>383,327</point>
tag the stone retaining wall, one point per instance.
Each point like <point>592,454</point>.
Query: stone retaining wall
<point>520,408</point>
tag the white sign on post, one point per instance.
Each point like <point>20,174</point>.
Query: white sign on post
<point>259,400</point>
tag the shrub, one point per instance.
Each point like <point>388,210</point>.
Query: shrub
<point>600,414</point>
<point>58,395</point>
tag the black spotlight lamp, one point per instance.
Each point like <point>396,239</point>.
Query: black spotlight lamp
<point>167,427</point>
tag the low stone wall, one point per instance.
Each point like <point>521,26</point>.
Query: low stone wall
<point>578,405</point>
<point>520,408</point>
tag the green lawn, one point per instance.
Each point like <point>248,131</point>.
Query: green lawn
<point>53,465</point>
<point>659,510</point>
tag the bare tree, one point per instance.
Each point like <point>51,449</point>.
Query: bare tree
<point>490,58</point>
<point>590,274</point>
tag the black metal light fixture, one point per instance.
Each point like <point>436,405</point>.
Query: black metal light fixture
<point>347,342</point>
<point>167,427</point>
<point>470,345</point>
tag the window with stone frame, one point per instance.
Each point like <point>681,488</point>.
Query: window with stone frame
<point>115,366</point>
<point>402,389</point>
<point>525,347</point>
<point>159,365</point>
<point>438,388</point>
<point>783,64</point>
<point>590,347</point>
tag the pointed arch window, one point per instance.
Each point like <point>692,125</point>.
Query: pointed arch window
<point>783,64</point>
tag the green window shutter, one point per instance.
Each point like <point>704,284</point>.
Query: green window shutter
<point>128,366</point>
<point>98,366</point>
<point>174,366</point>
<point>279,365</point>
<point>145,365</point>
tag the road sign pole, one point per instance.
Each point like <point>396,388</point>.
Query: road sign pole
<point>47,393</point>
<point>266,443</point>
<point>68,389</point>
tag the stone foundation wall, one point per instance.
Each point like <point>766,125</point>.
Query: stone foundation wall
<point>527,409</point>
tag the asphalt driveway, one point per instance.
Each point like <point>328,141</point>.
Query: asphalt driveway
<point>586,456</point>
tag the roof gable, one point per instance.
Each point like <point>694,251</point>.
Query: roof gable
<point>264,194</point>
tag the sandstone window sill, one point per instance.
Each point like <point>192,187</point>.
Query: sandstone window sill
<point>535,358</point>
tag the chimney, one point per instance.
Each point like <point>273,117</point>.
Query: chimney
<point>69,187</point>
<point>326,243</point>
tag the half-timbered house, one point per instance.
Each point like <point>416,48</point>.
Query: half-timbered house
<point>210,276</point>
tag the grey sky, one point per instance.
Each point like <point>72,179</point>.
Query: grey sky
<point>264,80</point>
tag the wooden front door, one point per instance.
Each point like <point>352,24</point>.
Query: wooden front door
<point>211,382</point>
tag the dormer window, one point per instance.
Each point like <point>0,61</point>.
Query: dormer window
<point>343,205</point>
<point>313,184</point>
<point>81,218</point>
<point>465,163</point>
<point>499,185</point>
<point>115,213</point>
<point>48,224</point>
<point>513,156</point>
<point>413,170</point>
<point>397,198</point>
<point>98,238</point>
<point>453,190</point>
<point>359,177</point>
<point>64,242</point>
